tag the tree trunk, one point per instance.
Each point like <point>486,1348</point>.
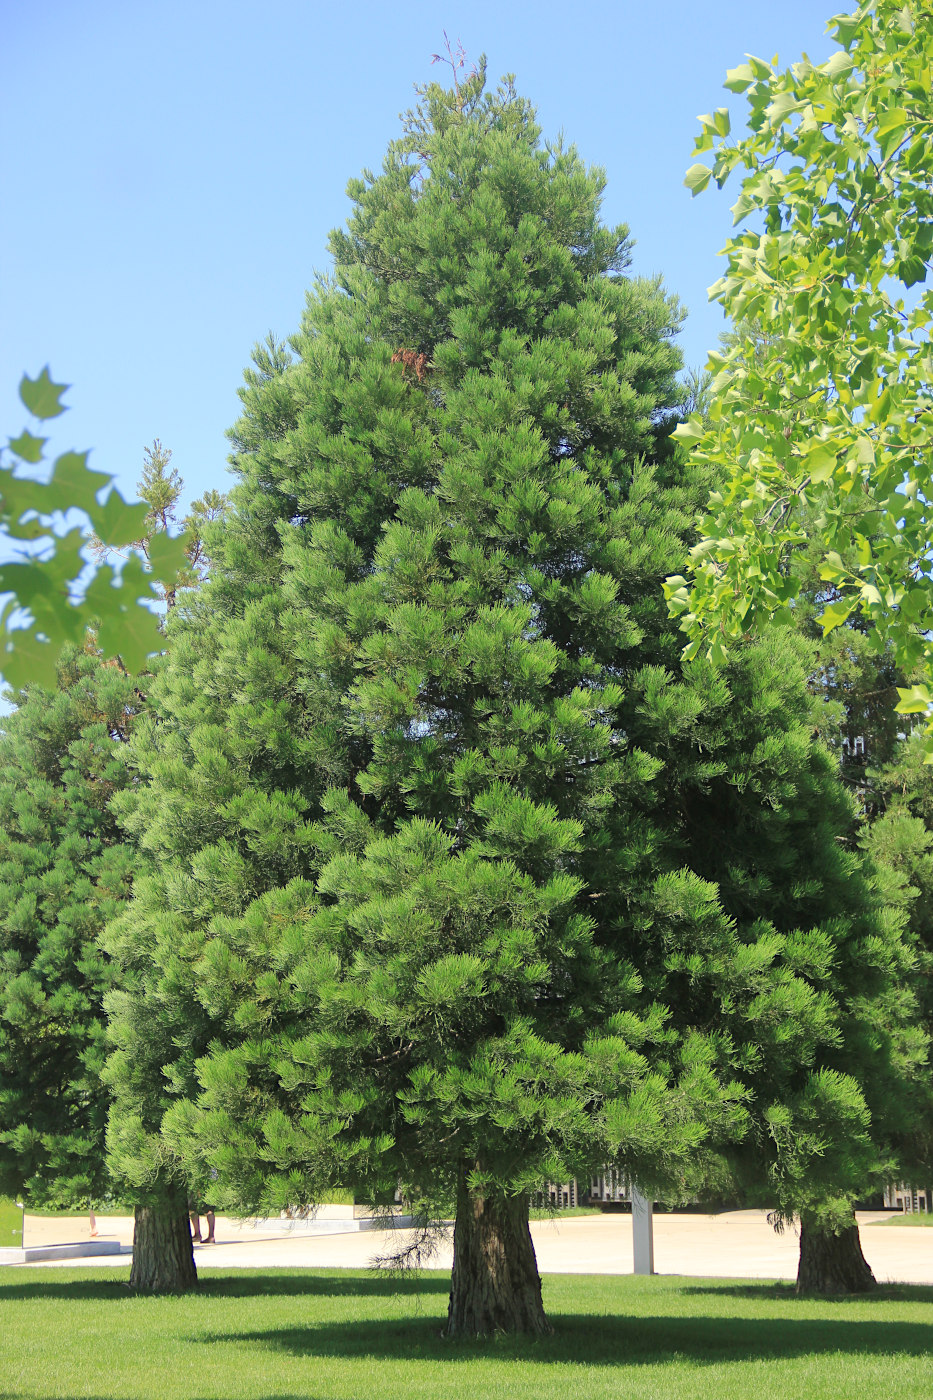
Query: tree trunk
<point>163,1253</point>
<point>832,1263</point>
<point>495,1286</point>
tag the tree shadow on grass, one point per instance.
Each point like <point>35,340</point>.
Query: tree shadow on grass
<point>246,1284</point>
<point>601,1340</point>
<point>786,1293</point>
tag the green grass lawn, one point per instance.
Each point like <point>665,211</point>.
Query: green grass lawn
<point>11,1224</point>
<point>347,1335</point>
<point>911,1217</point>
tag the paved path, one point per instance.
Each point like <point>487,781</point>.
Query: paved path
<point>733,1244</point>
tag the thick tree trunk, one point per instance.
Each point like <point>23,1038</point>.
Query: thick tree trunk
<point>163,1253</point>
<point>495,1286</point>
<point>832,1263</point>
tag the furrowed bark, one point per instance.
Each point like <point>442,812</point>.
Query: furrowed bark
<point>163,1252</point>
<point>495,1285</point>
<point>832,1263</point>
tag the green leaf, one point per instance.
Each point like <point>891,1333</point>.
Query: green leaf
<point>837,66</point>
<point>132,633</point>
<point>742,206</point>
<point>738,79</point>
<point>911,270</point>
<point>820,462</point>
<point>59,623</point>
<point>836,613</point>
<point>688,432</point>
<point>833,568</point>
<point>915,700</point>
<point>892,127</point>
<point>27,446</point>
<point>846,27</point>
<point>117,523</point>
<point>28,580</point>
<point>865,452</point>
<point>697,178</point>
<point>41,396</point>
<point>25,660</point>
<point>168,556</point>
<point>66,563</point>
<point>20,495</point>
<point>74,484</point>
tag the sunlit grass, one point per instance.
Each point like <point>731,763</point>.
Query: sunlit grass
<point>344,1335</point>
<point>914,1217</point>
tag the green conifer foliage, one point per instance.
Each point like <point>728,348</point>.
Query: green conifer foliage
<point>814,986</point>
<point>436,819</point>
<point>900,841</point>
<point>64,871</point>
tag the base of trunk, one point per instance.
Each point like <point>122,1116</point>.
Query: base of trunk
<point>163,1253</point>
<point>495,1285</point>
<point>831,1263</point>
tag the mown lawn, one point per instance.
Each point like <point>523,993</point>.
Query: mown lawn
<point>911,1218</point>
<point>347,1335</point>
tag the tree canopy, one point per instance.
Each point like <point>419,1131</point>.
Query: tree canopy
<point>64,870</point>
<point>49,599</point>
<point>834,424</point>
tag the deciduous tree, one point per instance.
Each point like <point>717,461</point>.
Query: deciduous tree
<point>829,265</point>
<point>48,598</point>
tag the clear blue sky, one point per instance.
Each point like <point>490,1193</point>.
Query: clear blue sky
<point>171,171</point>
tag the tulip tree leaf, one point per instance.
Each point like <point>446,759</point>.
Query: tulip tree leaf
<point>74,482</point>
<point>168,556</point>
<point>41,396</point>
<point>27,446</point>
<point>40,613</point>
<point>822,402</point>
<point>117,522</point>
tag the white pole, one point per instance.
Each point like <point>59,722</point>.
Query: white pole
<point>642,1232</point>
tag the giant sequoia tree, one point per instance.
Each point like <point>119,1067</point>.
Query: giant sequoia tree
<point>435,815</point>
<point>63,871</point>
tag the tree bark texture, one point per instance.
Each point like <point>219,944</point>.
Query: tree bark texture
<point>163,1252</point>
<point>832,1264</point>
<point>495,1285</point>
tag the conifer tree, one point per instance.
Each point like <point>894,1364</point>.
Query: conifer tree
<point>437,820</point>
<point>878,963</point>
<point>438,475</point>
<point>65,869</point>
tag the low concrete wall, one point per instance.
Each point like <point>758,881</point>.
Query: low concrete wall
<point>40,1252</point>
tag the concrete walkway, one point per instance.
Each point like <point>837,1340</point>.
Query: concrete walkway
<point>733,1244</point>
